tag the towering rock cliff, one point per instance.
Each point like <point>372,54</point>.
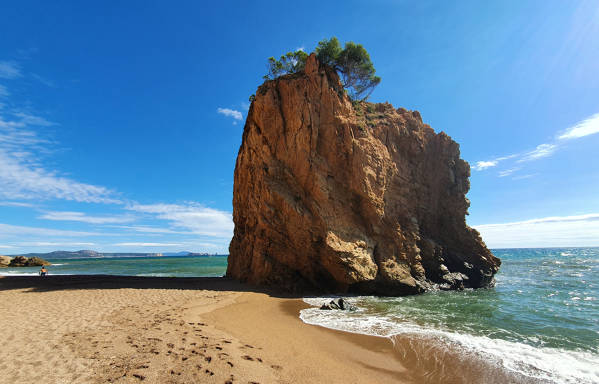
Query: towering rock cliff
<point>340,196</point>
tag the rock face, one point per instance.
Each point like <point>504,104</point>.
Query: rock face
<point>4,261</point>
<point>22,261</point>
<point>349,197</point>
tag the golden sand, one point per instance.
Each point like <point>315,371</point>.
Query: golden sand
<point>98,329</point>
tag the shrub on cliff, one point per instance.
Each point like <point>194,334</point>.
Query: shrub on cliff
<point>352,63</point>
<point>291,62</point>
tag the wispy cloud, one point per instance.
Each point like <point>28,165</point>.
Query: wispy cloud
<point>23,177</point>
<point>583,128</point>
<point>149,229</point>
<point>7,230</point>
<point>84,218</point>
<point>9,70</point>
<point>16,204</point>
<point>43,80</point>
<point>507,172</point>
<point>236,115</point>
<point>55,244</point>
<point>148,244</point>
<point>192,216</point>
<point>29,119</point>
<point>480,165</point>
<point>586,127</point>
<point>539,152</point>
<point>6,246</point>
<point>554,231</point>
<point>3,91</point>
<point>522,177</point>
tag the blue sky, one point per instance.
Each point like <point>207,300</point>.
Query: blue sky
<point>120,122</point>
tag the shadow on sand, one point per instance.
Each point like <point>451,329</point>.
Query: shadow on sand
<point>81,282</point>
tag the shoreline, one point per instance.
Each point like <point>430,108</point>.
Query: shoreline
<point>127,329</point>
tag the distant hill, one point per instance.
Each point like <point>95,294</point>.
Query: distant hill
<point>89,253</point>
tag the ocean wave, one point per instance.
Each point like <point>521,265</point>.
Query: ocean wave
<point>17,273</point>
<point>540,364</point>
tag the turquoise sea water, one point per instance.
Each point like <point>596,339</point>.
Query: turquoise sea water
<point>540,324</point>
<point>175,266</point>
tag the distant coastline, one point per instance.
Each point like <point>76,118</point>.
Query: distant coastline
<point>95,254</point>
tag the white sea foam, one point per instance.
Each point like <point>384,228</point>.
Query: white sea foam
<point>539,363</point>
<point>18,273</point>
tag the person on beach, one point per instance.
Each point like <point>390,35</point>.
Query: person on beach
<point>43,271</point>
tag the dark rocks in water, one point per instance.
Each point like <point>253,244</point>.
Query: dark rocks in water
<point>22,261</point>
<point>340,304</point>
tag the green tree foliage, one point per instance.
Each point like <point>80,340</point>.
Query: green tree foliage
<point>291,62</point>
<point>328,51</point>
<point>353,64</point>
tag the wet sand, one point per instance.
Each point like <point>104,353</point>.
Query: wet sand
<point>98,329</point>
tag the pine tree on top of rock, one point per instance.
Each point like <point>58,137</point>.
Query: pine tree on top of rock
<point>352,63</point>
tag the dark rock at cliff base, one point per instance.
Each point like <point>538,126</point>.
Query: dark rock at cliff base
<point>340,304</point>
<point>342,196</point>
<point>22,261</point>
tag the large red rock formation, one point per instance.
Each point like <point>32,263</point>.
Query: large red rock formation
<point>341,196</point>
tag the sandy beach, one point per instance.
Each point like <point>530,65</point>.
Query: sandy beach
<point>98,329</point>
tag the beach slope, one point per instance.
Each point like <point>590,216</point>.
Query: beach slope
<point>97,329</point>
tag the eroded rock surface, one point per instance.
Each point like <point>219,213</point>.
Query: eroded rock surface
<point>22,261</point>
<point>4,261</point>
<point>340,196</point>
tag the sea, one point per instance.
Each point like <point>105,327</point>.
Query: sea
<point>539,324</point>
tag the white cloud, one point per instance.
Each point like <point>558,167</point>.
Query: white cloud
<point>28,119</point>
<point>148,245</point>
<point>23,177</point>
<point>584,128</point>
<point>148,229</point>
<point>9,70</point>
<point>55,244</point>
<point>507,172</point>
<point>83,218</point>
<point>522,177</point>
<point>542,150</point>
<point>230,113</point>
<point>19,180</point>
<point>6,246</point>
<point>480,165</point>
<point>17,230</point>
<point>556,231</point>
<point>16,204</point>
<point>193,217</point>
